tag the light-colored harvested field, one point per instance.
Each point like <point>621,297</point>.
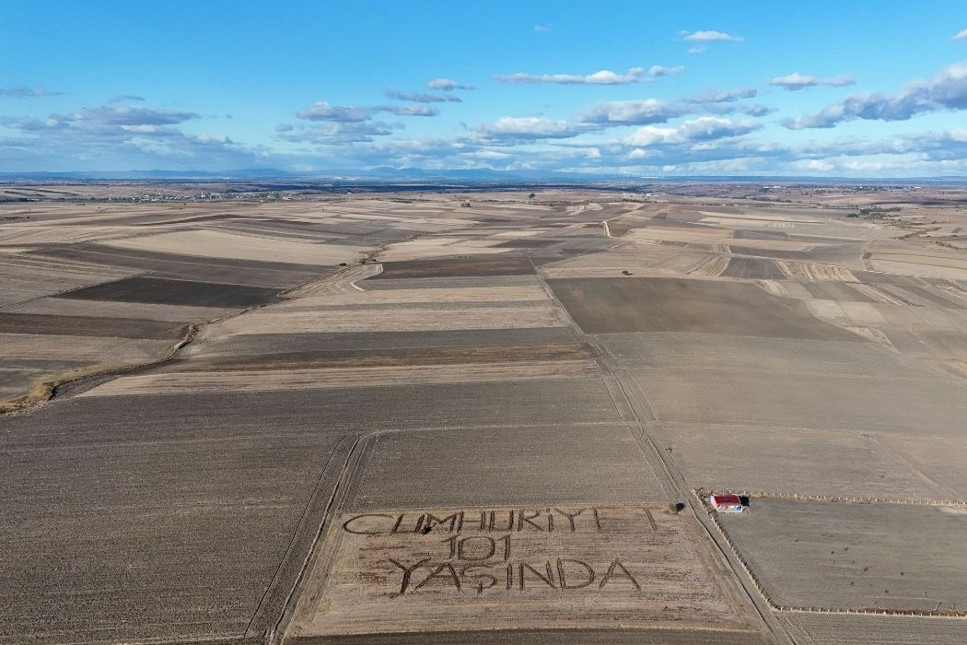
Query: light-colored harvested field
<point>482,295</point>
<point>840,629</point>
<point>939,460</point>
<point>218,244</point>
<point>803,462</point>
<point>302,379</point>
<point>84,348</point>
<point>811,271</point>
<point>109,309</point>
<point>855,556</point>
<point>440,247</point>
<point>272,321</point>
<point>633,566</point>
<point>891,403</point>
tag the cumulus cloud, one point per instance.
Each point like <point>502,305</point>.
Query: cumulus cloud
<point>701,129</point>
<point>447,85</point>
<point>727,96</point>
<point>408,110</point>
<point>118,136</point>
<point>127,98</point>
<point>947,91</point>
<point>336,132</point>
<point>961,36</point>
<point>527,128</point>
<point>602,77</point>
<point>710,36</point>
<point>796,81</point>
<point>24,92</point>
<point>637,112</point>
<point>323,111</point>
<point>418,97</point>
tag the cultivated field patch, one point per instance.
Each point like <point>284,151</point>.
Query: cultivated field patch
<point>838,556</point>
<point>175,292</point>
<point>519,568</point>
<point>604,305</point>
<point>45,324</point>
<point>485,465</point>
<point>511,265</point>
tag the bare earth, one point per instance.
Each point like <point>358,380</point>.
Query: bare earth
<point>388,417</point>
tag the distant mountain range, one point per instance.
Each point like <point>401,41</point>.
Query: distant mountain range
<point>386,174</point>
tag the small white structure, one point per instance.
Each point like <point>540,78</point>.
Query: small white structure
<point>726,503</point>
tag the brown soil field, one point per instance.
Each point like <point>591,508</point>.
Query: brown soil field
<point>43,324</point>
<point>839,629</point>
<point>855,556</point>
<point>514,265</point>
<point>390,356</point>
<point>532,464</point>
<point>175,292</point>
<point>186,267</point>
<point>602,306</point>
<point>753,269</point>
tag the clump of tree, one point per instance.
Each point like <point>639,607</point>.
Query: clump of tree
<point>874,212</point>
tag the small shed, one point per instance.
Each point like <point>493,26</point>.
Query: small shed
<point>726,503</point>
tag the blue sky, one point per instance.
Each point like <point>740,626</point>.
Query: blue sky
<point>860,89</point>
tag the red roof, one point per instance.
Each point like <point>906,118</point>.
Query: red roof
<point>726,500</point>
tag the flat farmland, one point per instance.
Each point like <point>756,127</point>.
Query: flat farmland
<point>380,387</point>
<point>620,305</point>
<point>175,292</point>
<point>514,265</point>
<point>160,521</point>
<point>804,462</point>
<point>838,629</point>
<point>841,556</point>
<point>44,324</point>
<point>487,465</point>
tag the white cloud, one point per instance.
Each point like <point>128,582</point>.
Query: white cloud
<point>728,96</point>
<point>796,81</point>
<point>447,85</point>
<point>419,97</point>
<point>947,91</point>
<point>710,36</point>
<point>701,129</point>
<point>527,128</point>
<point>602,77</point>
<point>639,112</point>
<point>961,36</point>
<point>24,92</point>
<point>322,111</point>
<point>542,29</point>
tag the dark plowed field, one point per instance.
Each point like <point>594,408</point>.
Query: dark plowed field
<point>128,523</point>
<point>753,269</point>
<point>829,290</point>
<point>609,305</point>
<point>187,267</point>
<point>513,265</point>
<point>87,326</point>
<point>175,292</point>
<point>389,357</point>
<point>528,243</point>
